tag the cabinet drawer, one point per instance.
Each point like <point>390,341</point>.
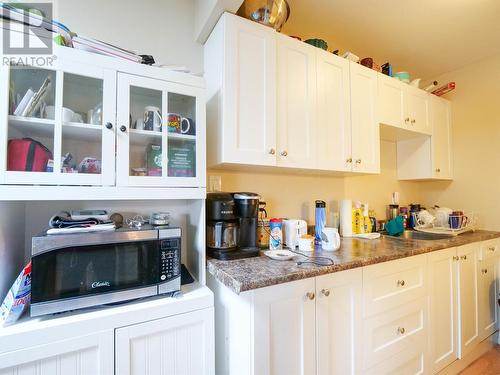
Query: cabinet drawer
<point>394,331</point>
<point>409,362</point>
<point>392,284</point>
<point>489,249</point>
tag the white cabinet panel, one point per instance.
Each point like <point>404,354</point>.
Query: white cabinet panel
<point>338,317</point>
<point>407,362</point>
<point>334,116</point>
<point>467,297</point>
<point>365,126</point>
<point>440,110</point>
<point>249,99</point>
<point>442,339</point>
<point>181,344</point>
<point>488,296</point>
<point>387,334</point>
<point>391,284</point>
<point>296,96</point>
<point>284,329</point>
<point>417,109</point>
<point>86,355</point>
<point>390,101</point>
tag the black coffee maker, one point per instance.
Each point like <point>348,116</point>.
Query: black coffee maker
<point>232,225</point>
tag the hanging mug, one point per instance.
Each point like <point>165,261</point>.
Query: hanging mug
<point>176,123</point>
<point>152,118</point>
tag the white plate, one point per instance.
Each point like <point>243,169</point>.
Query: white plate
<point>279,254</point>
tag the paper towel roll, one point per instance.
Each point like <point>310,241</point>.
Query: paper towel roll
<point>346,218</point>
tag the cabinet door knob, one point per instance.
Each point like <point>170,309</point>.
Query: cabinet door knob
<point>272,151</point>
<point>349,160</point>
<point>438,170</point>
<point>463,257</point>
<point>455,258</point>
<point>485,271</point>
<point>109,125</point>
<point>123,128</point>
<point>491,248</point>
<point>358,161</point>
<point>413,121</point>
<point>401,283</point>
<point>325,292</point>
<point>401,330</point>
<point>284,153</point>
<point>407,120</point>
<point>310,295</point>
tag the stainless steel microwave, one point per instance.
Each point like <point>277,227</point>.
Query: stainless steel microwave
<point>74,271</point>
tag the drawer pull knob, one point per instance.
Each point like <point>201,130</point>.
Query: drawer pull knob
<point>272,151</point>
<point>358,161</point>
<point>284,153</point>
<point>310,295</point>
<point>491,248</point>
<point>464,257</point>
<point>401,330</point>
<point>401,283</point>
<point>485,271</point>
<point>438,170</point>
<point>349,160</point>
<point>407,120</point>
<point>325,292</point>
<point>456,258</point>
<point>413,121</point>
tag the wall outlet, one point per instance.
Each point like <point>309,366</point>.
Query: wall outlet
<point>214,183</point>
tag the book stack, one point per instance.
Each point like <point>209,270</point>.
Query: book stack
<point>96,46</point>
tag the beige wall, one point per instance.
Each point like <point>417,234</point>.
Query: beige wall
<point>293,195</point>
<point>476,144</point>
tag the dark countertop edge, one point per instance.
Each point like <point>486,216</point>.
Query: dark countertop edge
<point>427,247</point>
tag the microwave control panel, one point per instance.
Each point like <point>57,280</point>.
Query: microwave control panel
<point>170,259</point>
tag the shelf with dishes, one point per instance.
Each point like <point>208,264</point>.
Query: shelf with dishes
<point>141,137</point>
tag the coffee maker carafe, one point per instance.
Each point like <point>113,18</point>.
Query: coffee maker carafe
<point>232,225</point>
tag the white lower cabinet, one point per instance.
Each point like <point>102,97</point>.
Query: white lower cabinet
<point>181,344</point>
<point>338,313</point>
<point>442,338</point>
<point>468,298</point>
<point>414,315</point>
<point>284,324</point>
<point>85,355</point>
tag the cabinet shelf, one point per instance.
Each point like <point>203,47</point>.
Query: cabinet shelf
<point>32,127</point>
<point>141,137</point>
<point>186,137</point>
<point>81,131</point>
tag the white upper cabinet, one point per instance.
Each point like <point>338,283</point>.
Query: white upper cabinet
<point>403,106</point>
<point>365,126</point>
<point>296,96</point>
<point>417,109</point>
<point>440,110</point>
<point>391,110</point>
<point>240,70</point>
<point>333,138</point>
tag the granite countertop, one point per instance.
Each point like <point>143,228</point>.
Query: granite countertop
<point>258,272</point>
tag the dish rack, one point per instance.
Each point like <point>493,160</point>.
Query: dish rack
<point>463,223</point>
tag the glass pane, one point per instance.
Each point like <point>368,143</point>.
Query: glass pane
<point>145,132</point>
<point>31,120</point>
<point>181,123</point>
<point>82,124</point>
<point>82,99</point>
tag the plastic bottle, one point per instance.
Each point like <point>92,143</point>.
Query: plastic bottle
<point>357,219</point>
<point>367,224</point>
<point>319,219</point>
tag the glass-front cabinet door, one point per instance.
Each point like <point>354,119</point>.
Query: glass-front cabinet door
<point>59,125</point>
<point>158,136</point>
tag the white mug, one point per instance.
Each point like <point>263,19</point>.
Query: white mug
<point>330,239</point>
